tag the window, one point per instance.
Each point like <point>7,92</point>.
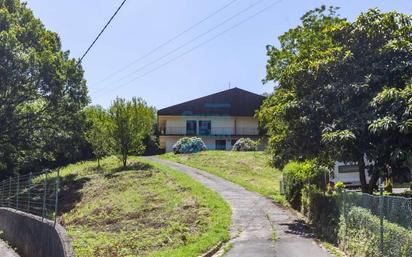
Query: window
<point>204,127</point>
<point>220,145</point>
<point>190,127</point>
<point>348,168</point>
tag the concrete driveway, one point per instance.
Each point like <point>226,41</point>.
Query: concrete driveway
<point>253,218</point>
<point>6,251</point>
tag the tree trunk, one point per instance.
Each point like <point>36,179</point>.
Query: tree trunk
<point>362,177</point>
<point>98,163</point>
<point>124,160</point>
<point>372,182</point>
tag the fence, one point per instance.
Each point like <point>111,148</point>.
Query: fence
<point>35,193</point>
<point>394,209</point>
<point>381,238</point>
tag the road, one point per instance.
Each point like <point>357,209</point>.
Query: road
<point>254,218</point>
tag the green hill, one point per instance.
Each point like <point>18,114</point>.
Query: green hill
<point>248,169</point>
<point>144,210</point>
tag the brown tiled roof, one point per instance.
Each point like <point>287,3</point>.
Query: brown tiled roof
<point>232,102</point>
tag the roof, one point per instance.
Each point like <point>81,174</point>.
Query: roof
<point>232,102</point>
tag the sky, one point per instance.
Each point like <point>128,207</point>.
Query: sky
<point>144,52</point>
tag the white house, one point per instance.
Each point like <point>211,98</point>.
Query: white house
<point>219,119</point>
<point>347,173</point>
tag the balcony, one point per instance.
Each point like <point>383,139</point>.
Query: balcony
<point>215,131</point>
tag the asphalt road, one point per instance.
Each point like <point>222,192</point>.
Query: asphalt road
<point>253,218</point>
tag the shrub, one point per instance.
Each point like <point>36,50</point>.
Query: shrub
<point>388,186</point>
<point>298,174</point>
<point>189,145</point>
<point>339,186</point>
<point>359,235</point>
<point>245,144</point>
<point>322,212</point>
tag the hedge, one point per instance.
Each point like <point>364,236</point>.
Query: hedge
<point>359,232</point>
<point>298,174</point>
<point>322,211</point>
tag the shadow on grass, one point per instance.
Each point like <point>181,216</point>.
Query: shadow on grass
<point>146,170</point>
<point>70,192</point>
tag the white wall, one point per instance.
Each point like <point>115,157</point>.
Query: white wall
<point>350,178</point>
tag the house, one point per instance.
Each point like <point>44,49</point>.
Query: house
<point>347,173</point>
<point>219,119</point>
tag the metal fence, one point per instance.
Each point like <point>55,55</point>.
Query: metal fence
<point>394,209</point>
<point>35,193</point>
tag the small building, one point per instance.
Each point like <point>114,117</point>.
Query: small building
<point>347,173</point>
<point>219,119</point>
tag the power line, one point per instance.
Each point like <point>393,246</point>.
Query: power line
<point>170,40</point>
<point>101,32</point>
<point>197,46</point>
<point>190,41</point>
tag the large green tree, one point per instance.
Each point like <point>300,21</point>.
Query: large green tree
<point>343,91</point>
<point>132,122</point>
<point>42,92</point>
<point>99,125</point>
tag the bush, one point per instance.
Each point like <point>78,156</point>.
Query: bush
<point>388,186</point>
<point>359,235</point>
<point>298,174</point>
<point>189,145</point>
<point>339,186</point>
<point>322,212</point>
<point>245,144</point>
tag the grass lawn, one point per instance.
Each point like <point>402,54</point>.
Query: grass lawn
<point>144,210</point>
<point>248,169</point>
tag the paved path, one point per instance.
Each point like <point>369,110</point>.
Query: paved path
<point>6,251</point>
<point>253,218</point>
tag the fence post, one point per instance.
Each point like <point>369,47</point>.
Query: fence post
<point>56,200</point>
<point>44,197</point>
<point>343,203</point>
<point>17,191</point>
<point>9,192</point>
<point>2,194</point>
<point>29,193</point>
<point>381,213</point>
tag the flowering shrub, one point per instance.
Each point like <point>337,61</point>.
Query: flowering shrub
<point>189,145</point>
<point>245,144</point>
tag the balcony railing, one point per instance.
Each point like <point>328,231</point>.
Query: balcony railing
<point>215,131</point>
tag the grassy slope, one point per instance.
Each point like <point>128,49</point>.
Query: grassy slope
<point>147,210</point>
<point>248,169</point>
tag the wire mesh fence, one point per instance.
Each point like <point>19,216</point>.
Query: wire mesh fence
<point>394,209</point>
<point>35,193</point>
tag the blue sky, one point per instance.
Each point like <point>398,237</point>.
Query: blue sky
<point>237,57</point>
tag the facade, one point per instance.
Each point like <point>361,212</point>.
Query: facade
<point>219,119</point>
<point>347,173</point>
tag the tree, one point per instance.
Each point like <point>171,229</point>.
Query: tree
<point>132,123</point>
<point>332,77</point>
<point>42,93</point>
<point>98,131</point>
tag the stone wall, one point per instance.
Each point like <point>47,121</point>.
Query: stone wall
<point>33,237</point>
